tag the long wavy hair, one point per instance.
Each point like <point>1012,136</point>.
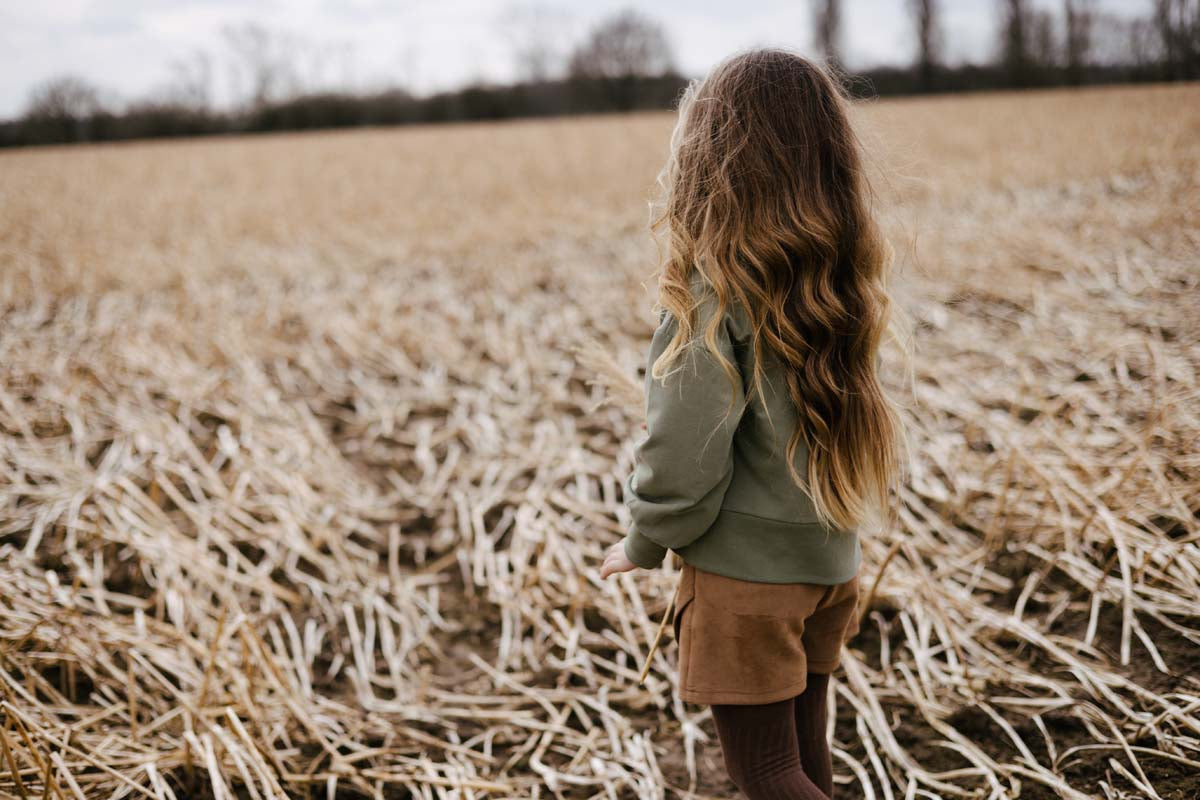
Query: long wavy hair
<point>764,196</point>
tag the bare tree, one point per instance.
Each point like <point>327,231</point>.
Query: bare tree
<point>61,109</point>
<point>1144,47</point>
<point>64,97</point>
<point>1044,51</point>
<point>618,54</point>
<point>1116,40</point>
<point>624,45</point>
<point>1178,25</point>
<point>536,33</point>
<point>1080,18</point>
<point>926,22</point>
<point>263,64</point>
<point>191,82</point>
<point>1014,40</point>
<point>314,65</point>
<point>827,26</point>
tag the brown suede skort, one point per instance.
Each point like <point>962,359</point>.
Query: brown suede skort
<point>745,642</point>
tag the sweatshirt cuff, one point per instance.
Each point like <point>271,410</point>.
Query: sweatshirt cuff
<point>645,553</point>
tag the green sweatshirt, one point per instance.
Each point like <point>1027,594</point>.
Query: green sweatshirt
<point>719,493</point>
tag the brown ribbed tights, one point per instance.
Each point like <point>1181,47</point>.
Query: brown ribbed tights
<point>778,751</point>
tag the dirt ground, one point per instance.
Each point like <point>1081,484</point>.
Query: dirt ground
<point>304,479</point>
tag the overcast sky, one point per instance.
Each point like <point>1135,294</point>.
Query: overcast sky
<point>129,47</point>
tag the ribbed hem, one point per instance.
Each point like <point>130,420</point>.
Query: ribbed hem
<point>752,548</point>
<point>730,697</point>
<point>645,553</point>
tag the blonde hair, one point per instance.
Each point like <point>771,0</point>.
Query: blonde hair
<point>764,196</point>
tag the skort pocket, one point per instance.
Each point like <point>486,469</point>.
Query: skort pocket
<point>686,594</point>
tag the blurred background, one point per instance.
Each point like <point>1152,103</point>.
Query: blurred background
<point>311,443</point>
<point>91,71</point>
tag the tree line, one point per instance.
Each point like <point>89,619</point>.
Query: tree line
<point>1034,46</point>
<point>624,63</point>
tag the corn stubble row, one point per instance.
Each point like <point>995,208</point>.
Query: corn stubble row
<point>337,530</point>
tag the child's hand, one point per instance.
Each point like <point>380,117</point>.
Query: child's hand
<point>616,561</point>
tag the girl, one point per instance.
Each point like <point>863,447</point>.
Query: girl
<point>770,441</point>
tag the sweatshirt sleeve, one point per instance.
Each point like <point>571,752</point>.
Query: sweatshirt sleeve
<point>684,463</point>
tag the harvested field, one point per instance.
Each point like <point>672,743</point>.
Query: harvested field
<point>304,485</point>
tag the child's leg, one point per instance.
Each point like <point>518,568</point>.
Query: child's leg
<point>811,717</point>
<point>761,752</point>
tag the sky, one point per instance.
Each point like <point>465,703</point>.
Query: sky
<point>136,48</point>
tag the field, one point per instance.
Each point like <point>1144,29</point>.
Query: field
<point>311,446</point>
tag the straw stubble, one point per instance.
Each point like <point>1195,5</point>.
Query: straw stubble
<point>309,497</point>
